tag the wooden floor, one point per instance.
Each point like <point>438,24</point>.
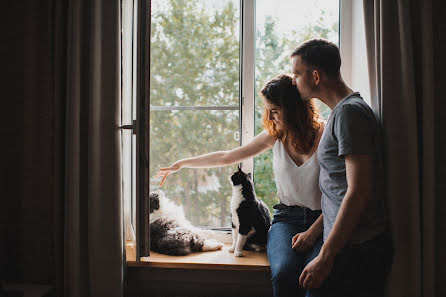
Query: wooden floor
<point>220,260</point>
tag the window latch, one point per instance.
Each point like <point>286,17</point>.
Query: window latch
<point>130,127</point>
<point>237,136</point>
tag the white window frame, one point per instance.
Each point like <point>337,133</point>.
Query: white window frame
<point>128,116</point>
<point>247,84</point>
<point>247,77</point>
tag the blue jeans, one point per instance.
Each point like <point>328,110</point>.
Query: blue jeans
<point>359,270</point>
<point>286,264</point>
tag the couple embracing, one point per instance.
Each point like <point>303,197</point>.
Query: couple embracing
<point>329,235</point>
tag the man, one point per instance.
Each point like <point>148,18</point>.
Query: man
<point>356,255</point>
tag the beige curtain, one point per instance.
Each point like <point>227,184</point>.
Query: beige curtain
<point>405,44</point>
<point>93,240</point>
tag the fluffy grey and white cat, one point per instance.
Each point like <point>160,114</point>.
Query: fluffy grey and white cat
<point>250,216</point>
<point>171,233</point>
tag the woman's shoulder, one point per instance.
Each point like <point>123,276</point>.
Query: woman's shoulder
<point>269,139</point>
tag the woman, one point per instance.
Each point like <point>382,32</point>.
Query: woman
<point>293,131</point>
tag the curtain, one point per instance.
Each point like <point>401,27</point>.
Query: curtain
<point>61,208</point>
<point>405,43</point>
<point>93,236</point>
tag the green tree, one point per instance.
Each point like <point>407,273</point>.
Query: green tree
<point>273,58</point>
<point>195,62</point>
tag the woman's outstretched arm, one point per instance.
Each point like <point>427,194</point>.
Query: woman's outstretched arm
<point>259,144</point>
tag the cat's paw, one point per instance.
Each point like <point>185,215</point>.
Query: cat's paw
<point>232,249</point>
<point>212,245</point>
<point>238,254</point>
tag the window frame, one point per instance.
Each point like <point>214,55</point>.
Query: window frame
<point>246,102</point>
<point>135,63</point>
<point>141,31</point>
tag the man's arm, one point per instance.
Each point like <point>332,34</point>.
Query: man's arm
<point>359,171</point>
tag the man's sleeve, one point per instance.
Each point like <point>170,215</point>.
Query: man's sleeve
<point>354,131</point>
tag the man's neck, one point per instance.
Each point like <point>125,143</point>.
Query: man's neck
<point>334,93</point>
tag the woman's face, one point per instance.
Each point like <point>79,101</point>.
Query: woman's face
<point>274,113</point>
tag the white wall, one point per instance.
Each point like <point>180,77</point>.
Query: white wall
<point>354,68</point>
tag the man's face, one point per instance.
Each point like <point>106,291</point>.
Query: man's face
<point>303,78</point>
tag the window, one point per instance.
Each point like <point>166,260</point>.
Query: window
<point>208,61</point>
<point>281,25</point>
<point>128,115</point>
<point>194,101</point>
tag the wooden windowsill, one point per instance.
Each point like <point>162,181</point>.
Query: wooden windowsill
<point>217,260</point>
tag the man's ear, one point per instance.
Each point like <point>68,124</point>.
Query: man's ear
<point>316,75</point>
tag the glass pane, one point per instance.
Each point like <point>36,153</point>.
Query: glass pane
<point>134,216</point>
<point>203,193</point>
<point>194,53</point>
<point>194,62</point>
<point>281,25</point>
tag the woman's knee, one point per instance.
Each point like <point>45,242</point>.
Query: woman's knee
<point>283,270</point>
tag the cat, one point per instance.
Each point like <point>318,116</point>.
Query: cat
<point>171,233</point>
<point>250,216</point>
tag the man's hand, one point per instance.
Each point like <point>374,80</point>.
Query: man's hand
<point>303,242</point>
<point>316,272</point>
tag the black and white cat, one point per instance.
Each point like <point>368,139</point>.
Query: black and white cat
<point>250,216</point>
<point>171,233</point>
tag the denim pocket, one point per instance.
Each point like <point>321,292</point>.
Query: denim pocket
<point>280,215</point>
<point>312,216</point>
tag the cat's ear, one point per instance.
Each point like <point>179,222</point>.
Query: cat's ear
<point>239,168</point>
<point>154,201</point>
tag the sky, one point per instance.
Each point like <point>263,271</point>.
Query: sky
<point>289,14</point>
<point>295,14</point>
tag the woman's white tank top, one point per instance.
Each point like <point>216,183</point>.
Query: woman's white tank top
<point>296,185</point>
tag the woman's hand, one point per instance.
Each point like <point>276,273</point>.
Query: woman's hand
<point>166,171</point>
<point>303,242</point>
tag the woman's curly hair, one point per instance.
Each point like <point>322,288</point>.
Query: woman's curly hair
<point>300,117</point>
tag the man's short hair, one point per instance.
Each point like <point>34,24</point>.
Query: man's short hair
<point>320,54</point>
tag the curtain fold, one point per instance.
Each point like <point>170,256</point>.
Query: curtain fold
<point>93,249</point>
<point>403,45</point>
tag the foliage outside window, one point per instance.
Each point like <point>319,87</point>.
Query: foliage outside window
<point>195,62</point>
<point>275,40</point>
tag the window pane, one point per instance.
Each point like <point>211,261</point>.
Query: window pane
<point>194,53</point>
<point>194,62</point>
<point>281,26</point>
<point>203,193</point>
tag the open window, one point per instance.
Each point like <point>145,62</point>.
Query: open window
<point>202,64</point>
<point>135,20</point>
<point>191,74</point>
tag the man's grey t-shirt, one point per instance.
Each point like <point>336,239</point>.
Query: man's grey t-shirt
<point>352,128</point>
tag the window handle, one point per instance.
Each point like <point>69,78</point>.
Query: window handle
<point>237,136</point>
<point>129,127</point>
